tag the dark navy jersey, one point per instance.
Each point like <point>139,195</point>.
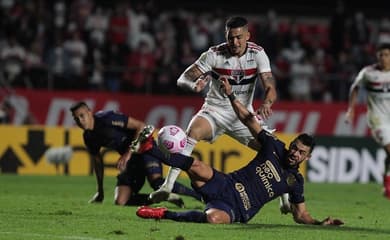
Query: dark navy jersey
<point>266,177</point>
<point>110,130</point>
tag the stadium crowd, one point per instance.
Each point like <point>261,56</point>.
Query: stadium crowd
<point>135,47</point>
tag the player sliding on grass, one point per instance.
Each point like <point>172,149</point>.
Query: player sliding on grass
<point>116,131</point>
<point>238,196</point>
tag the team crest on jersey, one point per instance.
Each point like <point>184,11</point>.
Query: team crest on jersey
<point>237,75</point>
<point>291,180</point>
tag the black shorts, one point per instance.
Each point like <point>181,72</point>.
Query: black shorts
<point>219,193</point>
<point>137,169</point>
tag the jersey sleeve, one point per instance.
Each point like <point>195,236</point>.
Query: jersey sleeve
<point>267,139</point>
<point>296,195</point>
<point>359,77</point>
<point>263,62</point>
<point>115,119</point>
<point>206,61</point>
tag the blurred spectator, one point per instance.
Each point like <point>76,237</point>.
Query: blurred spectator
<point>77,50</point>
<point>35,68</point>
<point>294,53</point>
<point>12,57</point>
<point>119,26</point>
<point>5,112</point>
<point>140,69</point>
<point>384,31</point>
<point>337,29</point>
<point>302,73</point>
<point>96,26</point>
<point>58,61</point>
<point>114,68</point>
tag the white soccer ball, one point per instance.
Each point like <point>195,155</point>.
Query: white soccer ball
<point>171,139</point>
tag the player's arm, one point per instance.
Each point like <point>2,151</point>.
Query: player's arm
<point>302,216</point>
<point>270,94</point>
<point>353,93</point>
<point>138,125</point>
<point>246,117</point>
<point>193,79</point>
<point>99,173</point>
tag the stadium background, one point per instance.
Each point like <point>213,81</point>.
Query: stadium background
<point>54,53</point>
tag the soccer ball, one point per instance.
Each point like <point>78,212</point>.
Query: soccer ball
<point>171,139</point>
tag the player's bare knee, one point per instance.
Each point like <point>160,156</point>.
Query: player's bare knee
<point>218,217</point>
<point>120,202</point>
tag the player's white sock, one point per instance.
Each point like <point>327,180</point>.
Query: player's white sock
<point>174,173</point>
<point>284,204</point>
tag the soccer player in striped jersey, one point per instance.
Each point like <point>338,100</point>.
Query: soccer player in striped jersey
<point>375,79</point>
<point>242,63</point>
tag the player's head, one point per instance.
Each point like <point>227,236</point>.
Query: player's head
<point>82,115</point>
<point>237,34</point>
<point>300,149</point>
<point>383,55</point>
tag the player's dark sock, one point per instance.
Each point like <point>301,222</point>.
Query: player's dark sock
<point>187,216</point>
<point>174,159</point>
<point>184,190</point>
<point>156,183</point>
<point>139,200</point>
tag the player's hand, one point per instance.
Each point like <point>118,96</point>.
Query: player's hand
<point>349,115</point>
<point>332,221</point>
<point>264,111</point>
<point>284,209</point>
<point>201,83</point>
<point>122,161</point>
<point>97,198</point>
<point>226,88</point>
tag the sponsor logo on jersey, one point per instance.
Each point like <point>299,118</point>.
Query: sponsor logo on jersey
<point>118,123</point>
<point>243,195</point>
<point>266,171</point>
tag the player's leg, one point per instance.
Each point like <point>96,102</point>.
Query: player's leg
<point>129,183</point>
<point>198,129</point>
<point>213,215</point>
<point>386,177</point>
<point>216,211</point>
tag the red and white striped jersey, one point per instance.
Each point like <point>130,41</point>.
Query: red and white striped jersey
<point>377,84</point>
<point>242,72</point>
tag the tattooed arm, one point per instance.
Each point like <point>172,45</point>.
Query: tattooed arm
<point>192,78</point>
<point>270,94</point>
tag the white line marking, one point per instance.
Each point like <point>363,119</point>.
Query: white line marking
<point>50,236</point>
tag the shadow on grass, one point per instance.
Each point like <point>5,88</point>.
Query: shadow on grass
<point>311,227</point>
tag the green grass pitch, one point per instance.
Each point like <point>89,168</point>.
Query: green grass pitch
<point>55,207</point>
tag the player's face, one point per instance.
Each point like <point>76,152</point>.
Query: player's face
<point>83,118</point>
<point>237,39</point>
<point>297,153</point>
<point>384,59</point>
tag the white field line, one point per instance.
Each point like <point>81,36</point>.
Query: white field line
<point>26,234</point>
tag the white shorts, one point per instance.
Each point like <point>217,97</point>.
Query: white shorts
<point>223,120</point>
<point>380,128</point>
<point>381,135</point>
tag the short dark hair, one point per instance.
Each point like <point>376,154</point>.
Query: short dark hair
<point>236,22</point>
<point>78,105</point>
<point>307,140</point>
<point>383,46</point>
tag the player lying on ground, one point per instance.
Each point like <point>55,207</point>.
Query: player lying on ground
<point>238,196</point>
